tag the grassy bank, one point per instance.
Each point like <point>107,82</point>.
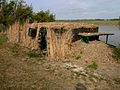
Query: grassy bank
<point>116,52</point>
<point>89,65</point>
<point>96,22</point>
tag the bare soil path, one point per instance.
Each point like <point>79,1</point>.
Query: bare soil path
<point>19,72</point>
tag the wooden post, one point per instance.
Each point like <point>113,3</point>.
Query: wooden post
<point>119,23</point>
<point>106,38</point>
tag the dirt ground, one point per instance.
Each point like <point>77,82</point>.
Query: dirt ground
<point>20,72</point>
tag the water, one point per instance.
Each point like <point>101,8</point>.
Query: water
<point>112,39</point>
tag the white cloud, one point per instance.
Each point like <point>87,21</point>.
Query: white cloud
<point>75,9</point>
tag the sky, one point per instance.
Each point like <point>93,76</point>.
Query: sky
<point>78,9</point>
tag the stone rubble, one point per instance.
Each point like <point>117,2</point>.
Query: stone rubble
<point>80,71</point>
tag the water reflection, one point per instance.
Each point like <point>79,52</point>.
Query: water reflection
<point>114,39</point>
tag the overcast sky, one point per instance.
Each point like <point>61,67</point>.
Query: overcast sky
<point>79,9</point>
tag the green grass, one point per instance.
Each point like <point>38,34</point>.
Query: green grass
<point>33,54</point>
<point>93,65</point>
<point>96,22</point>
<point>15,49</point>
<point>3,39</point>
<point>117,80</point>
<point>116,53</point>
<point>101,22</point>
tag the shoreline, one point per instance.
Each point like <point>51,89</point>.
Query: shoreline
<point>95,22</point>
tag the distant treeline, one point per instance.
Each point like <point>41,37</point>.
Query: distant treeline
<point>88,20</point>
<point>17,10</point>
<point>95,21</point>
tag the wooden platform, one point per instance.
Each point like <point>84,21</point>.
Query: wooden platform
<point>95,34</point>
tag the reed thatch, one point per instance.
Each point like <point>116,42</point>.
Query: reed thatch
<point>59,36</point>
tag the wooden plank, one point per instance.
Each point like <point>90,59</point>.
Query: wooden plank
<point>94,34</point>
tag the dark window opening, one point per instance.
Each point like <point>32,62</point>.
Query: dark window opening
<point>75,33</point>
<point>59,32</point>
<point>32,32</point>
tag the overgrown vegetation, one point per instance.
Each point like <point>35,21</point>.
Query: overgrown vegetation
<point>18,50</point>
<point>3,39</point>
<point>116,53</point>
<point>18,11</point>
<point>34,54</point>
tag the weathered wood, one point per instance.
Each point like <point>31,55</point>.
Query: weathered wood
<point>94,34</point>
<point>106,38</point>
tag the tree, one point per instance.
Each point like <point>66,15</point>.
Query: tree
<point>13,11</point>
<point>44,16</point>
<point>23,12</point>
<point>18,11</point>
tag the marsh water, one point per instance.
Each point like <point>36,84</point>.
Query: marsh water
<point>112,39</point>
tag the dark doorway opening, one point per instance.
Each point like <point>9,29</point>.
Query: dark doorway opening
<point>42,38</point>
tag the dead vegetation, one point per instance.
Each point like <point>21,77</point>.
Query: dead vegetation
<point>90,66</point>
<point>54,37</point>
